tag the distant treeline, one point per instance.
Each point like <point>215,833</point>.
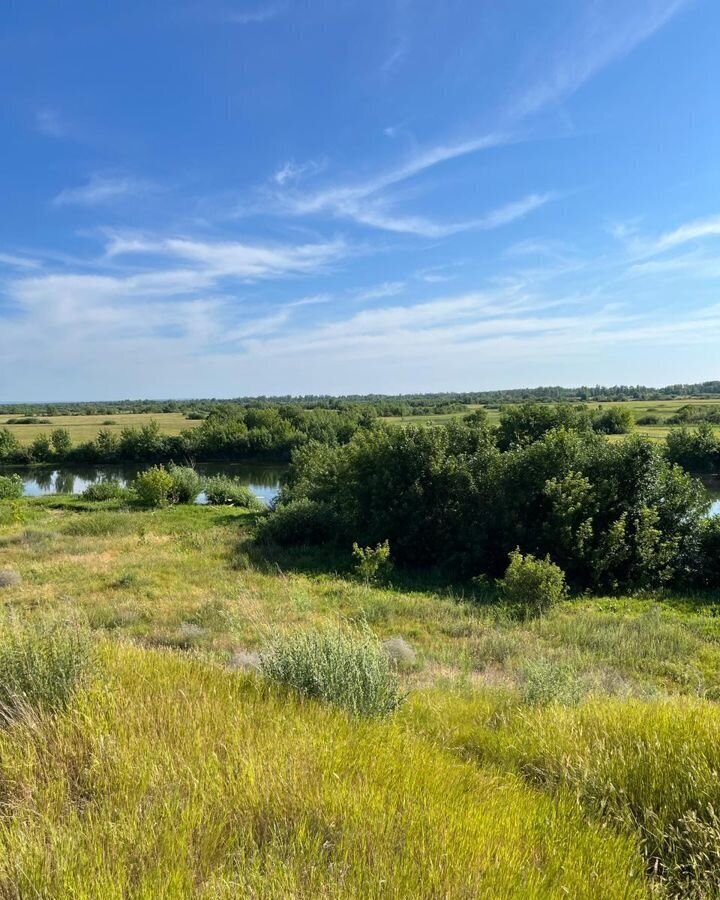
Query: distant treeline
<point>228,433</point>
<point>384,404</point>
<point>273,433</point>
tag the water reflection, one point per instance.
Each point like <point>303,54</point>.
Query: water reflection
<point>263,481</point>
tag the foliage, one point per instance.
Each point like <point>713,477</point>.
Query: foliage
<point>11,487</point>
<point>528,422</point>
<point>613,420</point>
<point>41,664</point>
<point>532,585</point>
<point>611,515</point>
<point>696,451</point>
<point>61,441</point>
<point>298,522</point>
<point>186,484</point>
<point>347,669</point>
<point>105,490</point>
<point>372,563</point>
<point>153,486</point>
<point>226,491</point>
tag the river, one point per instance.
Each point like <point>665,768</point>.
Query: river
<point>264,481</point>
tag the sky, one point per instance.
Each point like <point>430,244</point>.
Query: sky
<point>240,197</point>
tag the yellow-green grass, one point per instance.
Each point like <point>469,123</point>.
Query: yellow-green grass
<point>644,768</point>
<point>173,778</point>
<point>176,775</point>
<point>86,428</point>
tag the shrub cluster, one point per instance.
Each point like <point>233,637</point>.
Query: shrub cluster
<point>610,515</point>
<point>225,491</point>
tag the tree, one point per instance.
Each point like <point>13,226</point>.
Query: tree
<point>61,441</point>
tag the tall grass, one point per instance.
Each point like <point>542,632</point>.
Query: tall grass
<point>176,779</point>
<point>42,662</point>
<point>349,669</point>
<point>648,768</point>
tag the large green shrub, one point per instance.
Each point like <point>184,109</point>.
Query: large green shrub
<point>532,585</point>
<point>613,515</point>
<point>153,486</point>
<point>41,664</point>
<point>298,522</point>
<point>11,487</point>
<point>614,420</point>
<point>345,668</point>
<point>186,484</point>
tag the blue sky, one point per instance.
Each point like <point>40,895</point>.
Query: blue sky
<point>206,198</point>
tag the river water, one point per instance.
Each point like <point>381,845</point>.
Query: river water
<point>263,481</point>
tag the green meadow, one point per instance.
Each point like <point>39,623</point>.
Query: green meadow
<point>569,755</point>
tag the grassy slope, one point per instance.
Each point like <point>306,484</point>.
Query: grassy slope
<point>172,772</point>
<point>173,778</point>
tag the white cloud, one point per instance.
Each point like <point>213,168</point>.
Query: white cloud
<point>18,262</point>
<point>233,258</point>
<point>386,289</point>
<point>607,31</point>
<point>291,171</point>
<point>101,189</point>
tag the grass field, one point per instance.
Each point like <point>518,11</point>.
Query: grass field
<point>664,409</point>
<point>565,756</point>
<point>85,428</point>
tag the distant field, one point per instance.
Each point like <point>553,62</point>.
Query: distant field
<point>85,428</point>
<point>664,409</point>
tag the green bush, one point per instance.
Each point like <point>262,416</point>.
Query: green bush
<point>532,585</point>
<point>348,669</point>
<point>105,490</point>
<point>298,522</point>
<point>372,563</point>
<point>41,665</point>
<point>225,491</point>
<point>11,487</point>
<point>186,484</point>
<point>153,486</point>
<point>614,420</point>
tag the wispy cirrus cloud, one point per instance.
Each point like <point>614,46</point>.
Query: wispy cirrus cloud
<point>367,202</point>
<point>101,189</point>
<point>605,32</point>
<point>19,262</point>
<point>251,15</point>
<point>233,258</point>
